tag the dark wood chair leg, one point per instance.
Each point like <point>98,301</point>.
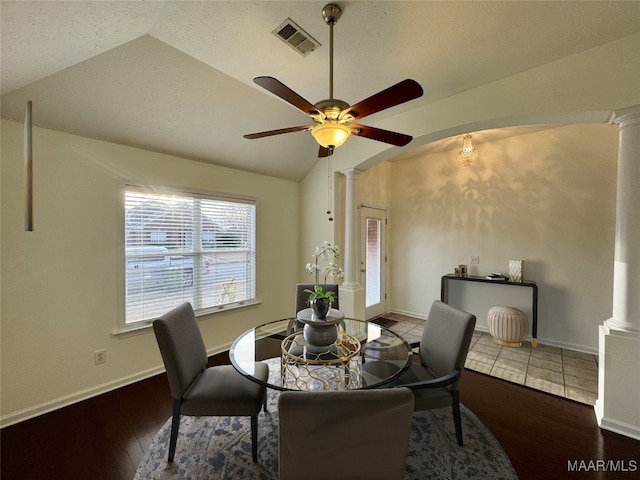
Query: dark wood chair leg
<point>264,402</point>
<point>175,425</point>
<point>455,406</point>
<point>254,438</point>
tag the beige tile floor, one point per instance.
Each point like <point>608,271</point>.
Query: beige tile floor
<point>560,371</point>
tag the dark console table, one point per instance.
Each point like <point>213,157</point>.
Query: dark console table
<point>444,296</point>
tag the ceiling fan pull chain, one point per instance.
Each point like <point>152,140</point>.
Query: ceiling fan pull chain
<point>330,187</point>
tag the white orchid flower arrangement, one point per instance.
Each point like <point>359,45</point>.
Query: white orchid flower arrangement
<point>329,253</point>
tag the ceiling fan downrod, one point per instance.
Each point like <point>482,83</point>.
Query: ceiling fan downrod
<point>331,13</point>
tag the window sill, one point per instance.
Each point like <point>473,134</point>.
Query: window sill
<point>146,325</point>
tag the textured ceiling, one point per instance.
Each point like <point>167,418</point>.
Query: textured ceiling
<point>176,77</point>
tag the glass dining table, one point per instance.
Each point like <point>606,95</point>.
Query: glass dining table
<point>364,355</point>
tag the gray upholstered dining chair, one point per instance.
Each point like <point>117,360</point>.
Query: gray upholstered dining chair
<point>302,298</point>
<point>200,391</point>
<point>344,435</point>
<point>435,378</point>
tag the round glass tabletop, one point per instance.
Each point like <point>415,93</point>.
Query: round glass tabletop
<point>382,356</point>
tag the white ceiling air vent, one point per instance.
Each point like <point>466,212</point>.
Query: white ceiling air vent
<point>296,38</point>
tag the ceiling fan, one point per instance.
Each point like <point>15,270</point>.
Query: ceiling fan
<point>333,118</point>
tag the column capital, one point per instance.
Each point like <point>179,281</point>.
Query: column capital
<point>626,116</point>
<point>351,172</point>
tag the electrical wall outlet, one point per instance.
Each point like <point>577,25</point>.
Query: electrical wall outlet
<point>100,356</point>
<point>474,260</point>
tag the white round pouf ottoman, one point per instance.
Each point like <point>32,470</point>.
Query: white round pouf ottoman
<point>507,325</point>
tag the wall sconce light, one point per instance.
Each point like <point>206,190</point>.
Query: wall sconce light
<point>468,154</point>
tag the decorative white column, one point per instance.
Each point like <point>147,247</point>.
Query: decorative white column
<point>352,300</point>
<point>350,230</point>
<point>618,404</point>
<point>626,269</point>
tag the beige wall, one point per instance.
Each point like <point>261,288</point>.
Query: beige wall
<point>60,283</point>
<point>546,197</point>
<point>585,88</point>
<point>582,88</point>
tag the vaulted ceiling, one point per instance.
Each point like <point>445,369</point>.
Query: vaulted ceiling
<point>176,76</point>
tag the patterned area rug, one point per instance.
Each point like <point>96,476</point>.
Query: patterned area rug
<point>384,322</point>
<point>220,448</point>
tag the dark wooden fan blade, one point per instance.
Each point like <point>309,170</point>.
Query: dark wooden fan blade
<point>269,133</point>
<point>281,90</point>
<point>325,152</point>
<point>394,138</point>
<point>395,95</point>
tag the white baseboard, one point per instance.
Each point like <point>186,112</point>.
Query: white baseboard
<point>544,341</point>
<point>61,402</point>
<point>420,315</point>
<point>50,406</point>
<point>554,343</point>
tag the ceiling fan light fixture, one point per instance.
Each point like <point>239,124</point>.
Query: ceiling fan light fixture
<point>331,134</point>
<point>468,154</point>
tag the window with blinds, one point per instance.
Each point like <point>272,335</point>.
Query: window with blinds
<point>187,248</point>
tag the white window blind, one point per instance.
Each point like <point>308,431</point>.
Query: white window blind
<point>187,248</point>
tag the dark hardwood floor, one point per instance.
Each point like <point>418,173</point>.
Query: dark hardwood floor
<point>541,432</point>
<point>105,437</point>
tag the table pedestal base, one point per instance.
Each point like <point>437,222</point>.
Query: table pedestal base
<point>311,367</point>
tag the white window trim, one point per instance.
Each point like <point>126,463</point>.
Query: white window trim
<point>126,329</point>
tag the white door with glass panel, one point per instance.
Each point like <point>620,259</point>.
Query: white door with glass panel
<point>373,260</point>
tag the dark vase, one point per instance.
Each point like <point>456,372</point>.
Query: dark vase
<point>320,307</point>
